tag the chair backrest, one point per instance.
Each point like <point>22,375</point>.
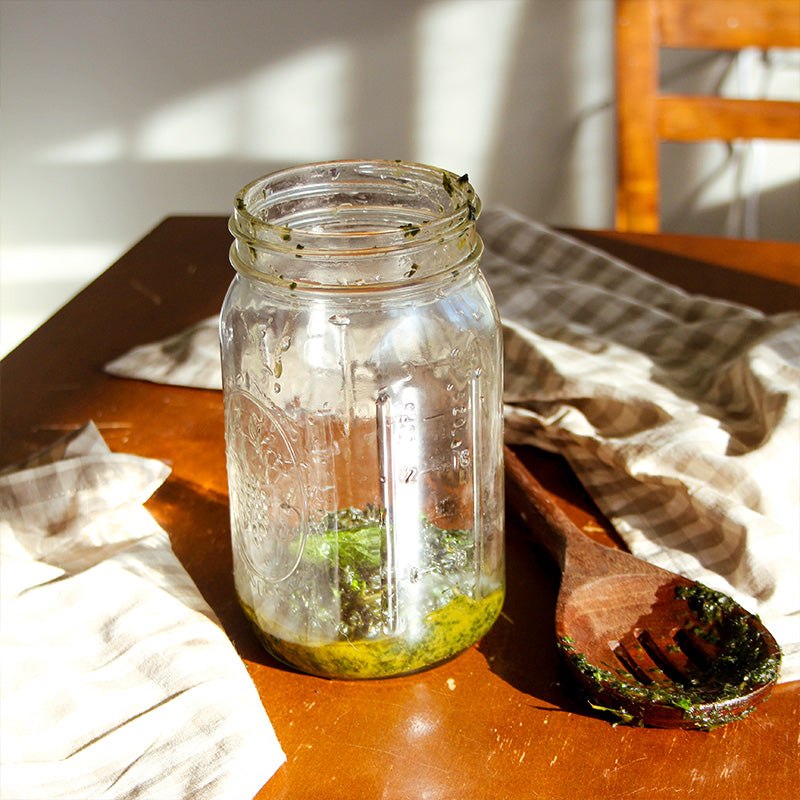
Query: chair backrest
<point>645,117</point>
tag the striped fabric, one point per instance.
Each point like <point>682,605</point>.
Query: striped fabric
<point>189,358</point>
<point>116,680</point>
<point>680,414</point>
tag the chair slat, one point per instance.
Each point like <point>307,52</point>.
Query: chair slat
<point>729,24</point>
<point>690,119</point>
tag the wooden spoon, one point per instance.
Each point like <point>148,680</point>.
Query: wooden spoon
<point>648,645</point>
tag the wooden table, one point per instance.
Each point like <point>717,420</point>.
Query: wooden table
<point>499,721</point>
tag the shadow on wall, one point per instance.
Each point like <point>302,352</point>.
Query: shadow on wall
<point>158,108</point>
<point>744,189</point>
<point>116,115</point>
<point>714,191</point>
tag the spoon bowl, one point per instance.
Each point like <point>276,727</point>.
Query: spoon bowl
<point>650,646</point>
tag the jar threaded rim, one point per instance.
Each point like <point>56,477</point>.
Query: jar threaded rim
<point>328,225</point>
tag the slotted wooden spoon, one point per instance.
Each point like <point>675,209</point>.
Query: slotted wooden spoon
<point>650,646</point>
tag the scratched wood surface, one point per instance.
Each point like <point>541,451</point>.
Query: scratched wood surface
<point>500,721</point>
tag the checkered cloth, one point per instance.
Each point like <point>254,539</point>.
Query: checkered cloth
<point>679,414</point>
<point>116,680</point>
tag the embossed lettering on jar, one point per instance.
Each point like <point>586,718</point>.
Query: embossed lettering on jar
<point>362,374</point>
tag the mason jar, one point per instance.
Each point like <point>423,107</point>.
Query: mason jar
<point>362,375</point>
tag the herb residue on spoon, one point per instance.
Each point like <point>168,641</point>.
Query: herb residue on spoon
<point>729,657</point>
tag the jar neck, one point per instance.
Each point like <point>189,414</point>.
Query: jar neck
<point>355,225</point>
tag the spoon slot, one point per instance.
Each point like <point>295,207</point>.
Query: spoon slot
<point>634,662</point>
<point>696,649</point>
<point>650,661</point>
<point>667,656</point>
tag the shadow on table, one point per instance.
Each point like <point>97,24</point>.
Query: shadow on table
<point>521,647</point>
<point>206,555</point>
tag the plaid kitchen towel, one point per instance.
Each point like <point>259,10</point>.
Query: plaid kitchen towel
<point>680,414</point>
<point>116,680</point>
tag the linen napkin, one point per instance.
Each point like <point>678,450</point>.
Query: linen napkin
<point>116,680</point>
<point>680,414</point>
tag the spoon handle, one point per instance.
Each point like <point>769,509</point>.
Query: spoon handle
<point>546,521</point>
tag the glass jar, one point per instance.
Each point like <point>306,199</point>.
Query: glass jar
<point>362,375</point>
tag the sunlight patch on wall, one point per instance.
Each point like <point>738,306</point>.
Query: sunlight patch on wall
<point>742,171</point>
<point>294,110</point>
<point>196,128</point>
<point>590,91</point>
<point>98,147</point>
<point>465,58</point>
<point>37,279</point>
<point>297,110</point>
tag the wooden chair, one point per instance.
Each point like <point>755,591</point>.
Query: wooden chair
<point>645,116</point>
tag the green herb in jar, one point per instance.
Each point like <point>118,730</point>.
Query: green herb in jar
<point>350,545</point>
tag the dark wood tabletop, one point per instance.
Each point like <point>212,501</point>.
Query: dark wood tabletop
<point>502,720</point>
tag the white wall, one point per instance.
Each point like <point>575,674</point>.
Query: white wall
<point>116,113</point>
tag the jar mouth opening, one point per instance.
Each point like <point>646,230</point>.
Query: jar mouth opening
<point>352,211</point>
